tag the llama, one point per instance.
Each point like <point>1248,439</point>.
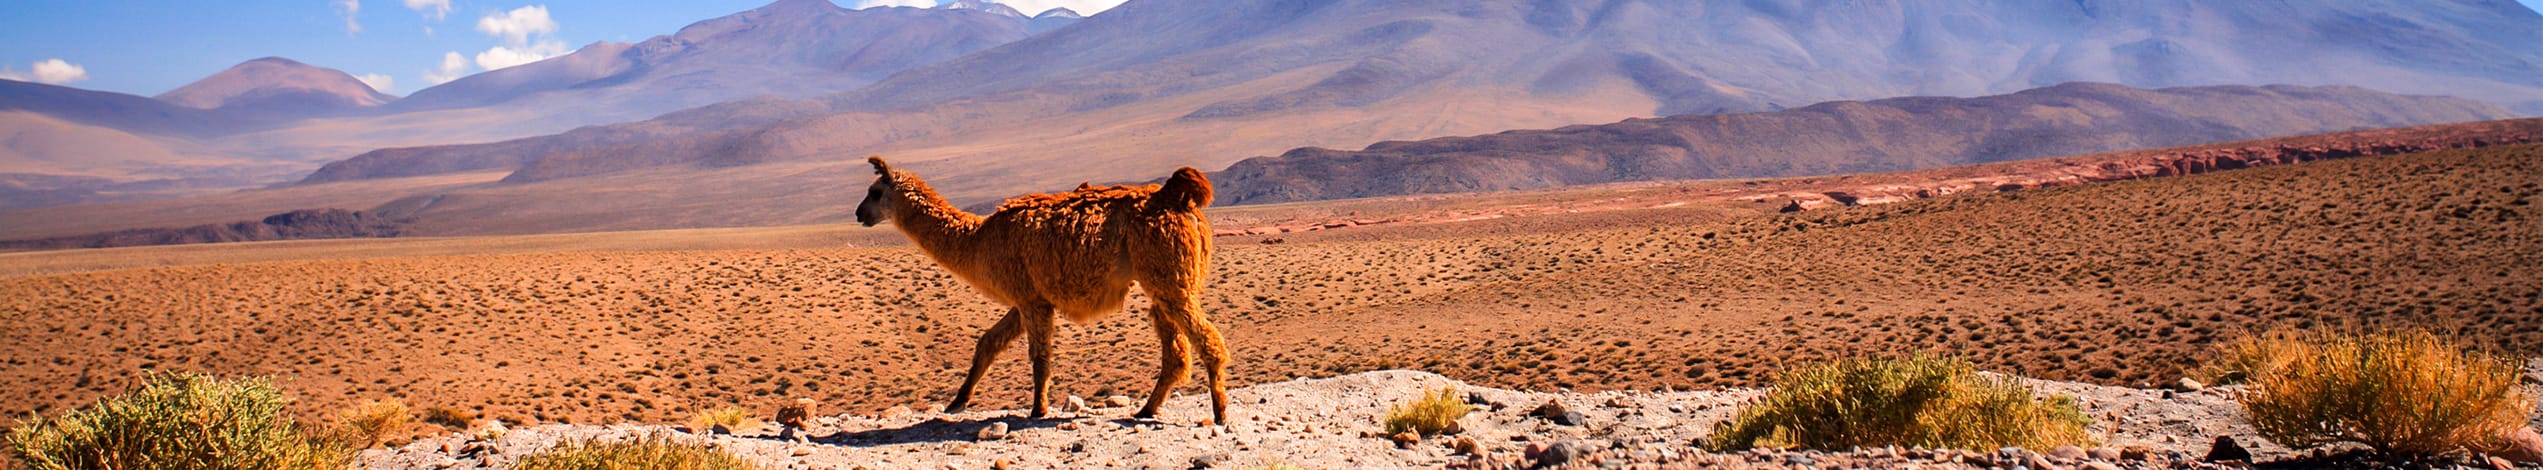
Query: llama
<point>1074,253</point>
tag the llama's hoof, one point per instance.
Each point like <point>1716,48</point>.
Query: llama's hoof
<point>955,408</point>
<point>1145,415</point>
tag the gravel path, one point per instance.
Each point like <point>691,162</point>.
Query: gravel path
<point>1334,423</point>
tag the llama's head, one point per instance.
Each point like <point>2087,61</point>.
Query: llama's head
<point>876,207</point>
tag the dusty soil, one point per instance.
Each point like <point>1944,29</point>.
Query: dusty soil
<point>2120,283</point>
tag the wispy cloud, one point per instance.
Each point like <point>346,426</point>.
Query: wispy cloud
<point>864,4</point>
<point>379,81</point>
<point>516,26</point>
<point>47,71</point>
<point>525,34</point>
<point>349,9</point>
<point>452,67</point>
<point>1082,7</point>
<point>432,9</point>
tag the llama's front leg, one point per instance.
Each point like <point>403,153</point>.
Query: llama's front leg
<point>1039,327</point>
<point>1171,369</point>
<point>991,343</point>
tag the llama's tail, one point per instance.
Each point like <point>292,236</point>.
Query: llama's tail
<point>1186,190</point>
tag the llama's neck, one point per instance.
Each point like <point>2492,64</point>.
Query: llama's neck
<point>937,227</point>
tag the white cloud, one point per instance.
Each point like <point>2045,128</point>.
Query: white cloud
<point>379,81</point>
<point>48,71</point>
<point>349,9</point>
<point>506,56</point>
<point>516,26</point>
<point>452,67</point>
<point>864,4</point>
<point>432,9</point>
<point>1082,7</point>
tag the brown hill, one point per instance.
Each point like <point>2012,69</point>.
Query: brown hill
<point>1834,138</point>
<point>295,225</point>
<point>275,85</point>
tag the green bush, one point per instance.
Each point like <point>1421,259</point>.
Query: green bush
<point>1435,412</point>
<point>654,452</point>
<point>179,421</point>
<point>1915,401</point>
<point>2408,393</point>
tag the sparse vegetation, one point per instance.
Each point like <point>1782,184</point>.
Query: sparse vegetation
<point>372,421</point>
<point>2411,393</point>
<point>1435,412</point>
<point>2240,360</point>
<point>1913,401</point>
<point>730,417</point>
<point>655,452</point>
<point>453,418</point>
<point>178,420</point>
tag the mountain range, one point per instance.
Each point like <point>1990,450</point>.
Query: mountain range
<point>1154,84</point>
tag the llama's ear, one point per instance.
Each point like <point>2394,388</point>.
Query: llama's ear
<point>879,167</point>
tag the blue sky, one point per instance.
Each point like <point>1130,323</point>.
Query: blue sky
<point>147,47</point>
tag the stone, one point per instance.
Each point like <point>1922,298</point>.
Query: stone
<point>1406,438</point>
<point>1570,418</point>
<point>994,431</point>
<point>2524,445</point>
<point>795,415</point>
<point>2068,453</point>
<point>1561,452</point>
<point>2188,385</point>
<point>1075,405</point>
<point>2099,466</point>
<point>897,411</point>
<point>2226,450</point>
<point>2136,452</point>
<point>1116,401</point>
<point>1002,464</point>
<point>2103,453</point>
<point>1466,445</point>
<point>2497,463</point>
<point>801,451</point>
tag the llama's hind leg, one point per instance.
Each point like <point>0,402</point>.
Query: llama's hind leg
<point>1171,368</point>
<point>991,343</point>
<point>1178,308</point>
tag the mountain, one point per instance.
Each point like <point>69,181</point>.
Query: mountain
<point>279,86</point>
<point>990,7</point>
<point>1835,138</point>
<point>790,48</point>
<point>121,112</point>
<point>1155,84</point>
<point>1053,19</point>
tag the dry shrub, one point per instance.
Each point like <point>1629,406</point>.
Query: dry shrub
<point>1915,401</point>
<point>177,420</point>
<point>371,421</point>
<point>447,417</point>
<point>2238,361</point>
<point>731,417</point>
<point>655,452</point>
<point>2410,393</point>
<point>1435,412</point>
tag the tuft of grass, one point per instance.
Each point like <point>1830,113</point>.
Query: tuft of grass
<point>731,417</point>
<point>371,421</point>
<point>453,418</point>
<point>2410,393</point>
<point>178,420</point>
<point>1434,413</point>
<point>2238,361</point>
<point>654,452</point>
<point>1914,401</point>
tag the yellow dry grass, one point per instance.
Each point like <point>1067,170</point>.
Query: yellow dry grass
<point>2411,393</point>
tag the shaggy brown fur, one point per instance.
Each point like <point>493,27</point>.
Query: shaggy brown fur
<point>1073,253</point>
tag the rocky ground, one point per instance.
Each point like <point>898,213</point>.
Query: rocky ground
<point>1335,423</point>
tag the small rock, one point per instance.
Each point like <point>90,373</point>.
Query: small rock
<point>1570,418</point>
<point>719,429</point>
<point>796,414</point>
<point>2068,453</point>
<point>1560,453</point>
<point>2135,452</point>
<point>1406,438</point>
<point>1533,450</point>
<point>2497,463</point>
<point>801,451</point>
<point>1550,410</point>
<point>994,431</point>
<point>2097,465</point>
<point>1067,426</point>
<point>1466,445</point>
<point>2225,450</point>
<point>1075,405</point>
<point>2103,453</point>
<point>1116,401</point>
<point>1002,464</point>
<point>896,411</point>
<point>2188,385</point>
<point>1208,461</point>
<point>1799,460</point>
<point>2524,445</point>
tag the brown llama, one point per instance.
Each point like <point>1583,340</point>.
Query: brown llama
<point>1076,253</point>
